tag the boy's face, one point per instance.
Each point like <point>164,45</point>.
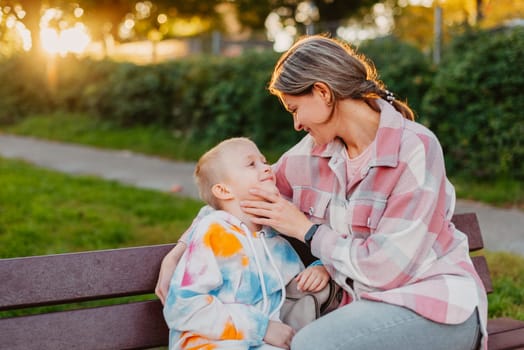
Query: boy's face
<point>246,168</point>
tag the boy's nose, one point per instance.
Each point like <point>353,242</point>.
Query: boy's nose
<point>267,168</point>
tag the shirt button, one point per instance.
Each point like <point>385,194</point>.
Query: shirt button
<point>311,210</point>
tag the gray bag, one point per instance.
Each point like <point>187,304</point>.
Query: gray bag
<point>302,308</point>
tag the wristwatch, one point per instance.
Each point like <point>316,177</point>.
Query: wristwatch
<point>310,233</point>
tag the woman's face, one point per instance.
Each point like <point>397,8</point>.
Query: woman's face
<point>312,114</point>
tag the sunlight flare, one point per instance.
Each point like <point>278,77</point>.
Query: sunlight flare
<point>67,39</point>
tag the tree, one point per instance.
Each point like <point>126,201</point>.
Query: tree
<point>103,16</point>
<point>415,23</point>
<point>253,13</point>
<point>33,9</point>
<point>497,12</point>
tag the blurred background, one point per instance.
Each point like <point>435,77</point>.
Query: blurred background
<point>171,78</point>
<point>198,69</point>
<point>154,31</point>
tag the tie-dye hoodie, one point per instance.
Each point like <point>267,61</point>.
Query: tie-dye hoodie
<point>228,285</point>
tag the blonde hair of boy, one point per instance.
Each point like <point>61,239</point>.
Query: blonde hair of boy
<point>210,169</point>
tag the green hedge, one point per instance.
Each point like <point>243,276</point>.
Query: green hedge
<point>402,67</point>
<point>23,89</point>
<point>473,100</point>
<point>205,98</point>
<point>476,103</point>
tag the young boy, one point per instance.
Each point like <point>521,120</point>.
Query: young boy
<point>227,289</point>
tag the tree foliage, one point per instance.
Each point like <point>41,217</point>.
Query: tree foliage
<point>103,16</point>
<point>475,104</point>
<point>330,12</point>
<point>415,24</point>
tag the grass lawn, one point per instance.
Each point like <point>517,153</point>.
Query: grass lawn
<point>507,272</point>
<point>44,212</point>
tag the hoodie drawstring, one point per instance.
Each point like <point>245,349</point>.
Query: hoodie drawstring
<point>265,305</point>
<point>259,270</point>
<point>282,285</point>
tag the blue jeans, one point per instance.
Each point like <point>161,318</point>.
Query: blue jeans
<point>373,325</point>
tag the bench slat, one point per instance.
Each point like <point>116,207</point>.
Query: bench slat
<point>505,333</point>
<point>481,265</point>
<point>468,223</point>
<point>126,326</point>
<point>54,279</point>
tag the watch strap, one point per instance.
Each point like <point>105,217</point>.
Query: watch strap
<point>308,237</point>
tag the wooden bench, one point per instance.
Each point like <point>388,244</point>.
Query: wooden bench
<point>112,274</point>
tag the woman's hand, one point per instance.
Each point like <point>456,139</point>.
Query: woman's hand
<point>167,268</point>
<point>274,211</point>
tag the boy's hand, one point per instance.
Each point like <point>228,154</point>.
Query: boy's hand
<point>279,334</point>
<point>312,279</point>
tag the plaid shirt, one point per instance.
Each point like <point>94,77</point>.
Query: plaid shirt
<point>387,233</point>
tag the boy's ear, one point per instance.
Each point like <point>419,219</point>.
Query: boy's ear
<point>221,191</point>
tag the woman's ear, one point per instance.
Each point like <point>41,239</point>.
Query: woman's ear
<point>324,92</point>
<point>221,191</point>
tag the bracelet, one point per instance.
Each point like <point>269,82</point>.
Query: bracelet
<point>308,237</point>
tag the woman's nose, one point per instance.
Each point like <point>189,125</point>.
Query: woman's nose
<point>297,124</point>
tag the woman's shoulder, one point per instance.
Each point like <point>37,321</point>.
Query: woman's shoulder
<point>394,126</point>
<point>417,132</point>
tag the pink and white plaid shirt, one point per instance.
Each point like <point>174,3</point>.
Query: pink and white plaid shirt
<point>387,233</point>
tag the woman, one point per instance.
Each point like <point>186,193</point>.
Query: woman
<point>367,191</point>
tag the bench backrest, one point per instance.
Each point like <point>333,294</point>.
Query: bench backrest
<point>469,224</point>
<point>105,275</point>
<point>78,277</point>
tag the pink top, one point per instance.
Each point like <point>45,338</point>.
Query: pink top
<point>354,165</point>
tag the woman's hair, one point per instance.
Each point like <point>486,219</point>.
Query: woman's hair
<point>210,168</point>
<point>320,59</point>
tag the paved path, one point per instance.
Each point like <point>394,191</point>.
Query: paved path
<point>502,229</point>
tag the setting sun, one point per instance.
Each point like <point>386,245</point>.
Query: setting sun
<point>71,40</point>
<point>66,39</point>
